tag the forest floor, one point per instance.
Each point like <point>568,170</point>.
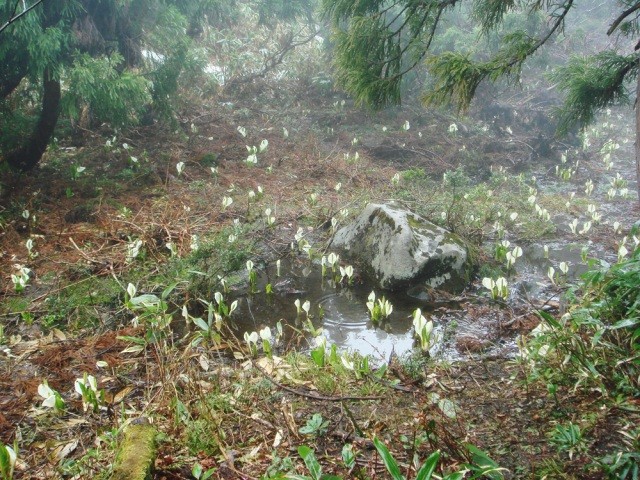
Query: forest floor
<point>214,405</point>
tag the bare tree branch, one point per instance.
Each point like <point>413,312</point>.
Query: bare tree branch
<point>15,16</point>
<point>621,18</point>
<point>287,44</point>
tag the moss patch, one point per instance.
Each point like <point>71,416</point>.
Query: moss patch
<point>137,453</point>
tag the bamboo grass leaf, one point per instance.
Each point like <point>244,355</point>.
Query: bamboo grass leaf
<point>388,460</point>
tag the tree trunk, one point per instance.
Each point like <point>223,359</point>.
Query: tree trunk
<point>28,156</point>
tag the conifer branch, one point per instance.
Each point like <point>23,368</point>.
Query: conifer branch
<point>592,84</point>
<point>458,77</point>
<point>556,26</point>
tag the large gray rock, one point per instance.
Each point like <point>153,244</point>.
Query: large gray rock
<point>400,249</point>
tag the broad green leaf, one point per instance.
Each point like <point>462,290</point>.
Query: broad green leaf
<point>596,337</point>
<point>454,476</point>
<point>5,461</point>
<point>480,457</point>
<point>167,291</point>
<point>202,324</point>
<point>348,457</point>
<point>208,474</point>
<point>389,462</point>
<point>318,357</point>
<point>549,319</point>
<point>136,340</point>
<point>429,466</point>
<point>145,300</point>
<point>381,371</point>
<point>133,349</point>
<point>482,460</point>
<point>627,322</point>
<point>310,461</point>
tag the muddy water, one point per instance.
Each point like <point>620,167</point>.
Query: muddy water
<point>340,311</point>
<point>532,268</point>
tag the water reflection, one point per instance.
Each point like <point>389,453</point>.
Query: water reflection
<point>340,311</point>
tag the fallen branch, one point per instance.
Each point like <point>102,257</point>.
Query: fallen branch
<point>86,257</point>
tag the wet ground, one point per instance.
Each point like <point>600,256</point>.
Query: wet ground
<point>468,324</point>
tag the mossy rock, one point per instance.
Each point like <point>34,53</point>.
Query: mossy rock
<point>398,249</point>
<point>137,453</point>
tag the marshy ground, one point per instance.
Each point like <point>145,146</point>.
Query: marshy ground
<point>212,402</point>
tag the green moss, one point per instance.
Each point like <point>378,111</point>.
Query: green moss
<point>383,218</point>
<point>78,305</point>
<point>14,304</point>
<point>415,175</point>
<point>137,453</point>
<point>414,223</point>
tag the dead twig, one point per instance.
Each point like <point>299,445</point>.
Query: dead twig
<point>84,255</point>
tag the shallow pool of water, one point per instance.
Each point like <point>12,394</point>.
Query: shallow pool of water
<point>340,311</point>
<point>342,314</point>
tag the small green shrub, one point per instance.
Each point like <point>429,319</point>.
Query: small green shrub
<point>316,426</point>
<point>209,160</point>
<point>597,342</point>
<point>568,438</point>
<point>480,466</point>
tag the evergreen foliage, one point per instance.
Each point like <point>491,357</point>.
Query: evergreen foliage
<point>274,10</point>
<point>109,94</point>
<point>85,58</point>
<point>107,61</point>
<point>378,42</point>
<point>593,83</point>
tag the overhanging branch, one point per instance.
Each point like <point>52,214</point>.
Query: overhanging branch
<point>616,23</point>
<point>15,16</point>
<point>288,43</point>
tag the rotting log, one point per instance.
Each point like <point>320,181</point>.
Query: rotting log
<point>137,453</point>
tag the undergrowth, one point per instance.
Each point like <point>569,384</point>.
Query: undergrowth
<point>594,347</point>
<point>475,209</point>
